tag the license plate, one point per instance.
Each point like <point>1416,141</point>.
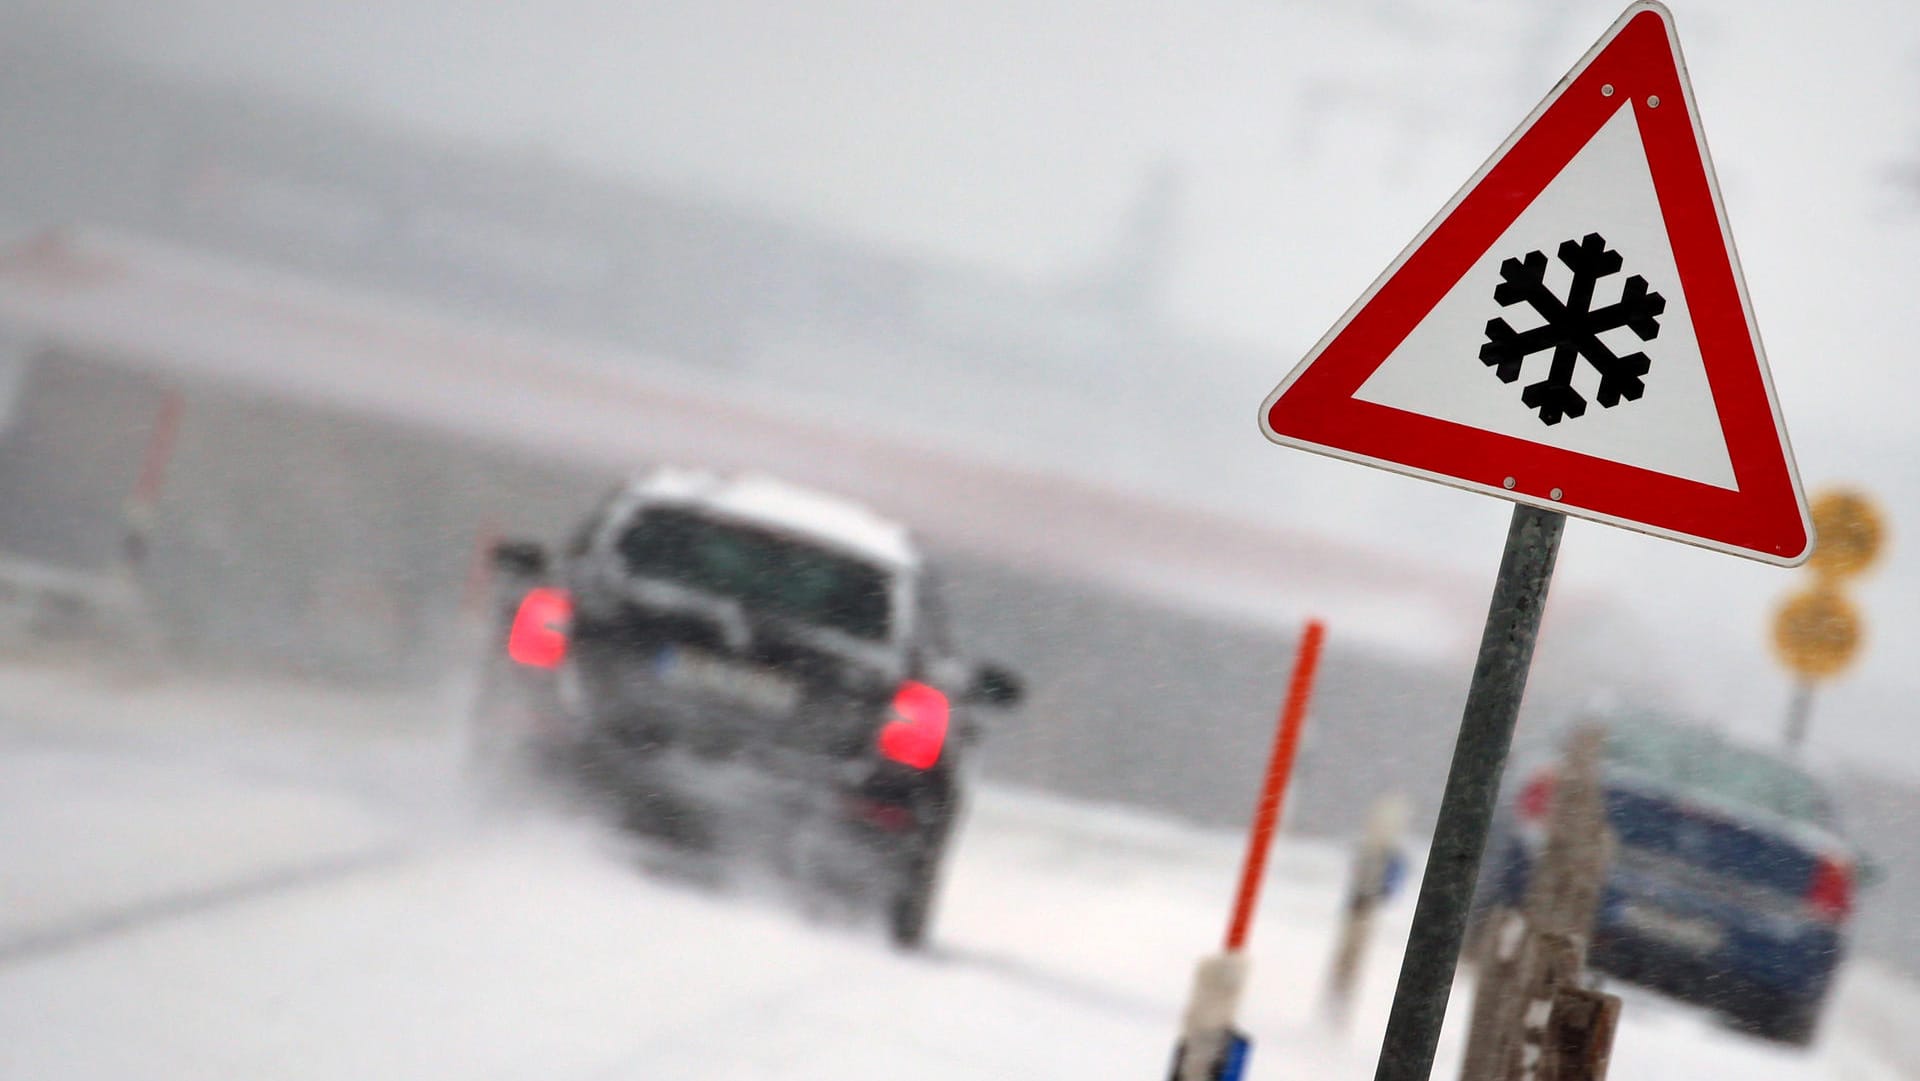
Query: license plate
<point>747,685</point>
<point>1696,935</point>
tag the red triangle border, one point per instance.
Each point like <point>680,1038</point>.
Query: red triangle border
<point>1765,518</point>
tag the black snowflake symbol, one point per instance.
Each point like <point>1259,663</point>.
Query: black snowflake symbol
<point>1572,330</point>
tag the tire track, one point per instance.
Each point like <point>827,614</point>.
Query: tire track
<point>77,934</point>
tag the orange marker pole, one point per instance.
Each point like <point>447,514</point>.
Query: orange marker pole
<point>137,513</point>
<point>159,452</point>
<point>1211,1048</point>
<point>1266,814</point>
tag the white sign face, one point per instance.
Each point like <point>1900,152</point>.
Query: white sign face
<point>1572,331</point>
<point>1673,428</point>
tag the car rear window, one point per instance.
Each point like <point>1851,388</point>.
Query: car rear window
<point>763,570</point>
<point>1702,762</point>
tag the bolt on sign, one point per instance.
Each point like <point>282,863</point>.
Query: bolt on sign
<point>1573,331</point>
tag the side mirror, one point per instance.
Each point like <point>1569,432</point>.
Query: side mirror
<point>520,559</point>
<point>995,686</point>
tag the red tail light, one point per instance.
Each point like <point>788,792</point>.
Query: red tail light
<point>1831,892</point>
<point>1536,799</point>
<point>539,635</point>
<point>916,728</point>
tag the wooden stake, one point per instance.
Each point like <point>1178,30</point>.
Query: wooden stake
<point>1532,1018</point>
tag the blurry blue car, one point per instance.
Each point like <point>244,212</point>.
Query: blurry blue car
<point>1731,886</point>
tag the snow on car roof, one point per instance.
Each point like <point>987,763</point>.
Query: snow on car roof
<point>839,522</point>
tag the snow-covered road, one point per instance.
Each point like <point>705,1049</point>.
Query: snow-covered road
<point>278,882</point>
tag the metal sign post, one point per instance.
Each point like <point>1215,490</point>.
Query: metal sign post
<point>1466,808</point>
<point>1799,714</point>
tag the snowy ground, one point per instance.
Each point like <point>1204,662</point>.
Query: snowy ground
<point>268,881</point>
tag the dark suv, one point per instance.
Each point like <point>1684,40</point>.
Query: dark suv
<point>746,667</point>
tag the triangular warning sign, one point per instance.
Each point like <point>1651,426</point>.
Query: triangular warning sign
<point>1572,331</point>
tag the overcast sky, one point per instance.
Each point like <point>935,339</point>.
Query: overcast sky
<point>1312,140</point>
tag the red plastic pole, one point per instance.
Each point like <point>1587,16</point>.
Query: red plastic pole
<point>1266,814</point>
<point>137,512</point>
<point>159,452</point>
